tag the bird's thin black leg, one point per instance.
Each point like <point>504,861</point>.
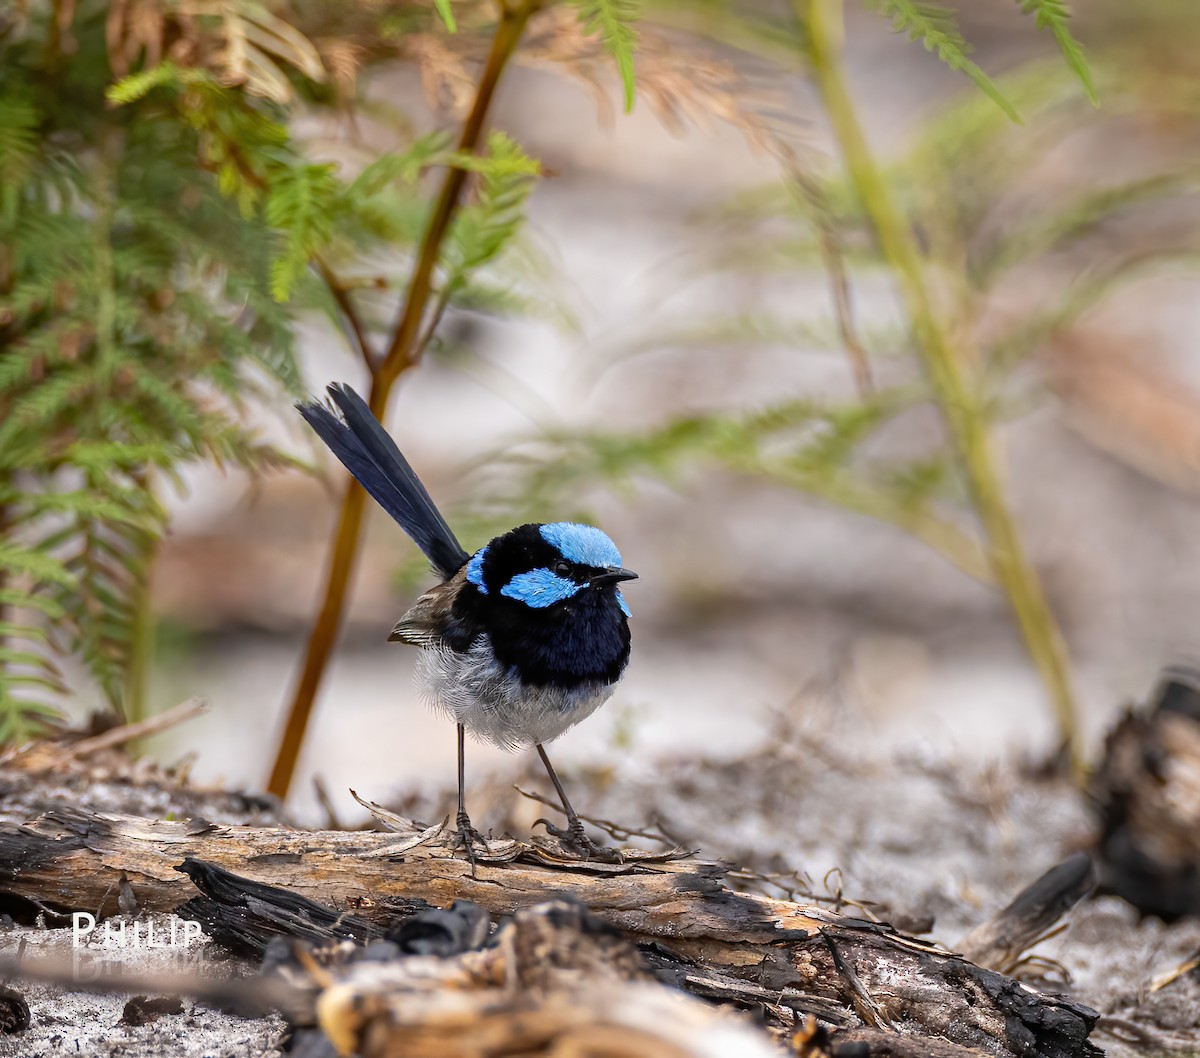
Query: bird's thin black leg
<point>574,836</point>
<point>467,834</point>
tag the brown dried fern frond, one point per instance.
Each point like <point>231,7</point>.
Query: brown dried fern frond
<point>255,46</point>
<point>133,30</point>
<point>679,77</point>
<point>555,40</point>
<point>688,84</point>
<point>241,41</point>
<point>447,81</point>
<point>344,59</point>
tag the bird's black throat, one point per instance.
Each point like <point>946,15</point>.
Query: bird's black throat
<point>584,639</point>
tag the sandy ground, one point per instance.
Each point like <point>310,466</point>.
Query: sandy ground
<point>85,1023</point>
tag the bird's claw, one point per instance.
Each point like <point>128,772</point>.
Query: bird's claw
<point>574,838</point>
<point>469,838</point>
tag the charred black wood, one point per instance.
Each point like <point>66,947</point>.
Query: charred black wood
<point>463,927</point>
<point>311,1043</point>
<point>1001,942</point>
<point>245,915</point>
<point>967,1004</point>
<point>1148,849</point>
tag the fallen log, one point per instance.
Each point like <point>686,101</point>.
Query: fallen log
<point>788,960</point>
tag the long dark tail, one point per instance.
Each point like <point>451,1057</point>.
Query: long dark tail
<point>366,450</point>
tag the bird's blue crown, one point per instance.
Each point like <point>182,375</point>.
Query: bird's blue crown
<point>584,544</point>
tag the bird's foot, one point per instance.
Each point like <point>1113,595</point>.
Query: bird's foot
<point>574,838</point>
<point>469,838</point>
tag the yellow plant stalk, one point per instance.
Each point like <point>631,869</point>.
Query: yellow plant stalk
<point>966,419</point>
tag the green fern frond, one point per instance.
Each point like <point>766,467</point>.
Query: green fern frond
<point>239,141</point>
<point>300,206</point>
<point>1026,238</point>
<point>915,485</point>
<point>18,148</point>
<point>41,568</point>
<point>614,20</point>
<point>446,14</point>
<point>139,85</point>
<point>485,227</point>
<point>504,159</point>
<point>842,432</point>
<point>160,401</point>
<point>106,458</point>
<point>800,434</point>
<point>32,669</point>
<point>1054,16</point>
<point>936,28</point>
<point>504,297</point>
<point>404,166</point>
<point>31,600</point>
<point>28,672</point>
<point>101,613</point>
<point>21,719</point>
<point>54,398</point>
<point>81,502</point>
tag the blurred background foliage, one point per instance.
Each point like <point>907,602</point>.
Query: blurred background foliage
<point>172,211</point>
<point>162,229</point>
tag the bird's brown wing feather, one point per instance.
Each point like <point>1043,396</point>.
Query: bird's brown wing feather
<point>425,623</point>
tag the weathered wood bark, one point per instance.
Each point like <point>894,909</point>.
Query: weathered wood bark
<point>789,959</point>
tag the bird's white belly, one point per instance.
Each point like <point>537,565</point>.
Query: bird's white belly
<point>475,690</point>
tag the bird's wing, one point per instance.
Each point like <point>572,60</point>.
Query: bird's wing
<point>366,450</point>
<point>431,622</point>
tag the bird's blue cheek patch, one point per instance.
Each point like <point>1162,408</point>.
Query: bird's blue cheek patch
<point>624,605</point>
<point>475,570</point>
<point>539,588</point>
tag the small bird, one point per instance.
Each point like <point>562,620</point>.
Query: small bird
<point>521,640</point>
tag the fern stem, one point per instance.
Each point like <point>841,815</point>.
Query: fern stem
<point>965,417</point>
<point>141,648</point>
<point>404,349</point>
<point>813,195</point>
<point>345,304</point>
<point>54,35</point>
<point>144,627</point>
<point>5,522</point>
<point>404,352</point>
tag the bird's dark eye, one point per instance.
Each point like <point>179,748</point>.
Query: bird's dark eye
<point>563,569</point>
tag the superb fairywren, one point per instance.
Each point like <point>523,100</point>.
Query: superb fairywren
<point>521,640</point>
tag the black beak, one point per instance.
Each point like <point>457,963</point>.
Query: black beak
<point>613,575</point>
